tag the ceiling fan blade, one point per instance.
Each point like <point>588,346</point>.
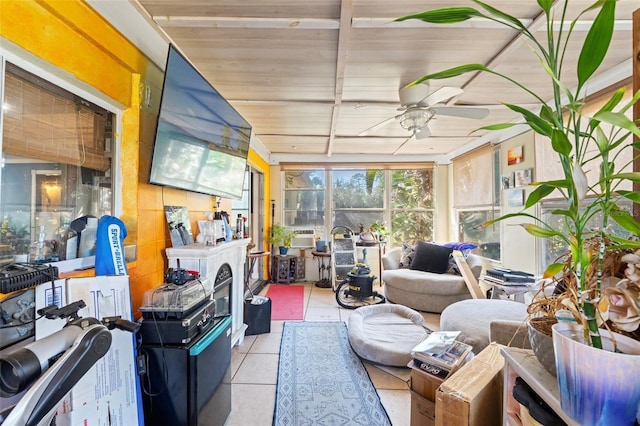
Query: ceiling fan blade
<point>423,133</point>
<point>403,144</point>
<point>442,94</point>
<point>465,112</point>
<point>377,126</point>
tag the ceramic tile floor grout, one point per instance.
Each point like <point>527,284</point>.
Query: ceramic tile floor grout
<point>254,366</point>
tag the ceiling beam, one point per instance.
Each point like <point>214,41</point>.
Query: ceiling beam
<point>357,23</point>
<point>346,15</point>
<point>246,22</point>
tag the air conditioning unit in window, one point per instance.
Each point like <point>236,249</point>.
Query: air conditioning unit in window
<point>305,238</point>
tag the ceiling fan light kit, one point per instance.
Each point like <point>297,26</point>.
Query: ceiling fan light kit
<point>419,105</point>
<point>415,119</point>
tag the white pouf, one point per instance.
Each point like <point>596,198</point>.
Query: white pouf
<point>473,318</point>
<point>385,334</point>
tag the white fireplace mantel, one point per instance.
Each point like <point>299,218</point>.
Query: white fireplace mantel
<point>207,260</point>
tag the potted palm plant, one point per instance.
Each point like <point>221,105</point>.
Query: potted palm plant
<point>282,236</point>
<point>574,136</point>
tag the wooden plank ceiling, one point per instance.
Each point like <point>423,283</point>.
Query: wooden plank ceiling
<point>310,76</point>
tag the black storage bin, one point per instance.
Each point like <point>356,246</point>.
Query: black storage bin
<point>257,317</point>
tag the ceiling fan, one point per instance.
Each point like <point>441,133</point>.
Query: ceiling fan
<point>419,106</point>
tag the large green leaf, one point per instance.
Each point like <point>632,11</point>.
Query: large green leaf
<point>618,119</point>
<point>448,15</point>
<point>540,232</point>
<point>538,194</point>
<point>451,72</point>
<point>498,126</point>
<point>535,122</point>
<point>554,269</point>
<point>597,42</point>
<point>632,176</point>
<point>631,195</point>
<point>502,15</point>
<point>624,219</point>
<point>546,113</point>
<point>560,143</point>
<point>624,243</point>
<point>546,5</point>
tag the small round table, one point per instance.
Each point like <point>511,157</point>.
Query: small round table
<point>324,268</point>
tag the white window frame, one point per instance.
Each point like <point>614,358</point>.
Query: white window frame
<point>61,78</point>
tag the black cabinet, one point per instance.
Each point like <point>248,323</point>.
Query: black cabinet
<point>190,385</point>
<point>288,269</point>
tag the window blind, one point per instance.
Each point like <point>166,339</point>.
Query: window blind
<point>44,125</point>
<point>473,178</point>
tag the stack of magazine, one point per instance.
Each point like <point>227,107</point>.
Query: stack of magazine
<point>505,276</point>
<point>440,355</point>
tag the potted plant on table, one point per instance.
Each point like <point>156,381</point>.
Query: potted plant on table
<point>282,236</point>
<point>379,229</point>
<point>580,142</point>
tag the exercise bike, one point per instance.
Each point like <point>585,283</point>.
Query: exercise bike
<point>357,289</point>
<point>51,366</point>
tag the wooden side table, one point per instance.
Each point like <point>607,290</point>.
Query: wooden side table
<point>324,268</point>
<point>284,268</point>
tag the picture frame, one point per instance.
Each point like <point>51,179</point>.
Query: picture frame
<point>515,155</point>
<point>515,198</point>
<point>523,177</point>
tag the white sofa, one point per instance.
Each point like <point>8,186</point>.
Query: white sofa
<point>424,291</point>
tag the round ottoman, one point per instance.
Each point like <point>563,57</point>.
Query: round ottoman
<point>473,318</point>
<point>385,334</point>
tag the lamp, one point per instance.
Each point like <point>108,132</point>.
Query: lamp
<point>415,119</point>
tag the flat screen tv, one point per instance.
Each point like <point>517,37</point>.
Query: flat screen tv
<point>201,142</point>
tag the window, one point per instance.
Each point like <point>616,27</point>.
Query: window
<point>357,198</point>
<point>476,187</point>
<point>56,160</point>
<point>400,199</point>
<point>412,206</point>
<point>304,198</point>
<point>553,248</point>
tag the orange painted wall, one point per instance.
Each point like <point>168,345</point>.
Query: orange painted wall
<point>76,40</point>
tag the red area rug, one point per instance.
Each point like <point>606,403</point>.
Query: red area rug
<point>287,301</point>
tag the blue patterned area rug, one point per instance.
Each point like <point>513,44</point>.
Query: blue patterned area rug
<point>321,381</point>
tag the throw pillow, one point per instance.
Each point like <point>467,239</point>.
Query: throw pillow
<point>406,255</point>
<point>465,248</point>
<point>431,258</point>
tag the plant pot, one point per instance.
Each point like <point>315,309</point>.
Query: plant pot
<point>320,246</point>
<point>541,342</point>
<point>597,386</point>
<point>283,250</point>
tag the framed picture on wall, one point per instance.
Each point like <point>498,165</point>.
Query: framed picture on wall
<point>523,177</point>
<point>515,198</point>
<point>506,182</point>
<point>515,155</point>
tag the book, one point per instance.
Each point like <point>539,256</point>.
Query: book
<point>433,370</point>
<point>451,358</point>
<point>439,371</point>
<point>509,276</point>
<point>441,349</point>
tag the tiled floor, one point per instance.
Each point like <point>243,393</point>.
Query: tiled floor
<point>254,367</point>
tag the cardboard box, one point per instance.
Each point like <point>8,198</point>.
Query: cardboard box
<point>423,411</point>
<point>473,395</point>
<point>424,384</point>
